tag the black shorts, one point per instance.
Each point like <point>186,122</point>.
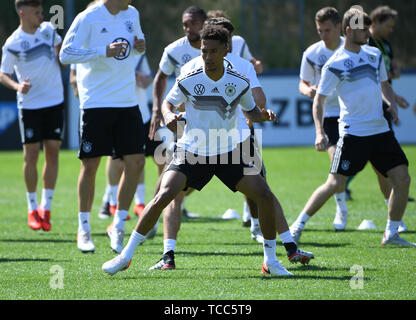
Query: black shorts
<point>256,152</point>
<point>41,124</point>
<point>353,153</point>
<point>387,115</point>
<point>331,130</point>
<point>199,173</point>
<point>149,145</point>
<point>110,131</point>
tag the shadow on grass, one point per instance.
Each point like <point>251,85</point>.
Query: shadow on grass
<point>202,254</point>
<point>5,260</point>
<point>37,240</point>
<point>324,245</point>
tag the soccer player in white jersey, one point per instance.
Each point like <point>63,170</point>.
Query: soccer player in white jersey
<point>328,24</point>
<point>104,41</point>
<point>31,53</point>
<point>244,67</point>
<point>358,74</point>
<point>211,95</point>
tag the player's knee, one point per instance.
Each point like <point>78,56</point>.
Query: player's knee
<point>335,185</point>
<point>164,197</point>
<point>401,180</point>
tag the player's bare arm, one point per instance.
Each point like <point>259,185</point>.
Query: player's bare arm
<point>390,98</point>
<point>170,117</point>
<point>318,111</point>
<point>257,115</point>
<point>22,87</point>
<point>159,88</point>
<point>306,89</point>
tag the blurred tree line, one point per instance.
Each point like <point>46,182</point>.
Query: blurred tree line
<point>277,31</point>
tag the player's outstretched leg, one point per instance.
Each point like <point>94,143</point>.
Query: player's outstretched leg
<point>172,183</point>
<point>272,219</point>
<point>335,183</point>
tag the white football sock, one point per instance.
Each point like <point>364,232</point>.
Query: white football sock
<point>340,202</point>
<point>301,221</point>
<point>392,228</point>
<point>135,239</point>
<point>254,224</point>
<point>84,222</point>
<point>140,193</point>
<point>47,195</point>
<point>106,197</point>
<point>269,248</point>
<point>286,237</point>
<point>120,218</point>
<point>168,245</point>
<point>246,212</point>
<point>113,195</point>
<point>32,201</point>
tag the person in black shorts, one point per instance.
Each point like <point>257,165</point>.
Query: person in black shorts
<point>111,122</point>
<point>364,133</point>
<point>384,19</point>
<point>31,53</point>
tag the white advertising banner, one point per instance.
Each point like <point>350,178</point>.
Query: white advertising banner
<point>296,127</point>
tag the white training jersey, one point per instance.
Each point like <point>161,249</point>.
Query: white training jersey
<point>211,110</point>
<point>313,60</point>
<point>143,67</point>
<point>242,66</point>
<point>356,78</point>
<point>33,56</point>
<point>103,82</point>
<point>176,55</point>
<point>240,48</point>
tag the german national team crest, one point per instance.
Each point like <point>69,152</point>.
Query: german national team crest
<point>322,59</point>
<point>129,26</point>
<point>349,64</point>
<point>345,165</point>
<point>46,34</point>
<point>186,58</point>
<point>199,89</point>
<point>230,89</point>
<point>372,58</point>
<point>86,146</point>
<point>25,45</point>
<point>29,133</point>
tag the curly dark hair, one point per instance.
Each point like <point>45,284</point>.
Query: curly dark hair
<point>214,32</point>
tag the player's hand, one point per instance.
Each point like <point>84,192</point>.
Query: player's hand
<point>258,65</point>
<point>139,44</point>
<point>117,49</point>
<point>394,113</point>
<point>269,115</point>
<point>24,86</point>
<point>321,142</point>
<point>402,102</point>
<point>312,91</point>
<point>171,120</point>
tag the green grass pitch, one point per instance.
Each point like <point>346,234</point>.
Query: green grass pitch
<point>215,259</point>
